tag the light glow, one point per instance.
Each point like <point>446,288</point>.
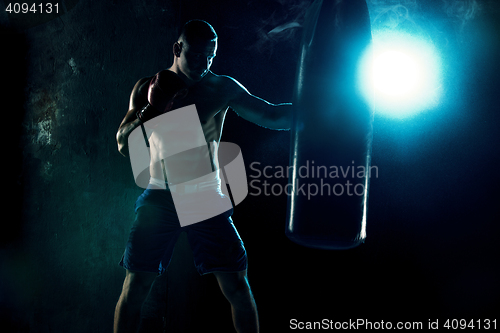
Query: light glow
<point>400,75</point>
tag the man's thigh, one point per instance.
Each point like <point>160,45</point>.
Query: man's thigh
<point>151,240</point>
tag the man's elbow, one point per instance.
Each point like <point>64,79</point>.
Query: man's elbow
<point>122,145</point>
<point>122,149</point>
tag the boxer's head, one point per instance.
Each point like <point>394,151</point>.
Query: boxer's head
<point>195,49</point>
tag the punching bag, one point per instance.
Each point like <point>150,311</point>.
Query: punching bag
<point>331,130</point>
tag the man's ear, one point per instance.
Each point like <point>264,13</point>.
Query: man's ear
<point>177,49</point>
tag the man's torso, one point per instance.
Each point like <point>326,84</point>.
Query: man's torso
<point>211,97</point>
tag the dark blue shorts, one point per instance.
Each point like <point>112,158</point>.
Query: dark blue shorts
<point>215,242</point>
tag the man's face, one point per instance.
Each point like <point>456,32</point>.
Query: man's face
<point>195,59</point>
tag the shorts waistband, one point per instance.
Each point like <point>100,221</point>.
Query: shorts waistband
<point>185,188</point>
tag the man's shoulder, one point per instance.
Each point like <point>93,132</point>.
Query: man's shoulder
<point>224,83</point>
<point>142,85</point>
<point>144,81</point>
<point>219,79</point>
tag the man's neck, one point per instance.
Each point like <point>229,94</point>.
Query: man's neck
<point>174,68</point>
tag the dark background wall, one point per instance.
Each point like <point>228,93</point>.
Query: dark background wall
<point>434,208</point>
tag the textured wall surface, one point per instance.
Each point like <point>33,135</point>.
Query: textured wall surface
<point>77,191</point>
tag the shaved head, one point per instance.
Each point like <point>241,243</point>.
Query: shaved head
<point>196,31</point>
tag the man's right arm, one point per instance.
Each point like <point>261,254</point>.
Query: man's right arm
<point>138,99</point>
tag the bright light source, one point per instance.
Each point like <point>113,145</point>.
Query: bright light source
<point>396,74</point>
<point>400,75</point>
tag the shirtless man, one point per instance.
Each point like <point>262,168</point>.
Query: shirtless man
<point>213,95</point>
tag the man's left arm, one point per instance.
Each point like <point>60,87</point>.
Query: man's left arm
<point>258,110</point>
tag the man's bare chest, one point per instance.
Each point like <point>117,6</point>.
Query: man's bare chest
<point>209,102</point>
<point>211,114</point>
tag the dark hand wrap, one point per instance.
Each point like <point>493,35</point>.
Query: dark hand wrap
<point>148,112</point>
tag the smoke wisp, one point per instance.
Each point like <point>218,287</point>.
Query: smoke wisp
<point>413,16</point>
